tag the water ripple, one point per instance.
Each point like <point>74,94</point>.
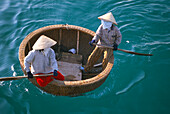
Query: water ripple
<point>138,78</point>
<point>4,104</point>
<point>4,5</point>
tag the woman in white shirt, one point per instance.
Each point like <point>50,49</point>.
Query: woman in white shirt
<point>42,61</point>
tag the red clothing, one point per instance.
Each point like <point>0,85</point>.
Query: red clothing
<point>43,81</point>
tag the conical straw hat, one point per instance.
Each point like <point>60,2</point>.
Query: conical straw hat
<point>43,42</point>
<point>108,17</point>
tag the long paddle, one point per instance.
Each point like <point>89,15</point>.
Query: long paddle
<point>124,50</point>
<point>21,77</point>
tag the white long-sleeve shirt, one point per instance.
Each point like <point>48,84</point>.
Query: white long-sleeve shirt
<point>40,62</point>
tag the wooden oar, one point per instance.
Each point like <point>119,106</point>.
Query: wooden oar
<point>21,77</point>
<point>124,50</point>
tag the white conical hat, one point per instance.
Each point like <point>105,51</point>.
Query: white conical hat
<point>108,17</point>
<point>43,42</point>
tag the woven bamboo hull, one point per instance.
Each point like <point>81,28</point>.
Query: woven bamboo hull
<point>69,36</point>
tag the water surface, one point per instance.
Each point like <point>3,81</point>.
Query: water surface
<point>136,84</point>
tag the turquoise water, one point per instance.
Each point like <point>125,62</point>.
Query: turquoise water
<point>136,84</point>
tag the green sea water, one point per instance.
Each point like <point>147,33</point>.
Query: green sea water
<point>136,84</point>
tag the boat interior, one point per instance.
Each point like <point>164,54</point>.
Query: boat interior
<point>69,63</point>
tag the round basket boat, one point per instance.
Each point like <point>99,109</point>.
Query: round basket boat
<point>68,37</point>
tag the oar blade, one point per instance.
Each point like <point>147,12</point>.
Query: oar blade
<point>20,77</point>
<point>12,78</point>
<point>135,52</point>
<point>126,51</point>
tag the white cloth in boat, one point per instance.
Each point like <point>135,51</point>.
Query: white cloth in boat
<point>41,61</point>
<point>108,37</point>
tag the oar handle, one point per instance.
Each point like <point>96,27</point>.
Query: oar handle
<point>103,46</point>
<point>21,77</point>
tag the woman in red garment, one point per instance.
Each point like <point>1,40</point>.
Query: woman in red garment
<point>42,61</point>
